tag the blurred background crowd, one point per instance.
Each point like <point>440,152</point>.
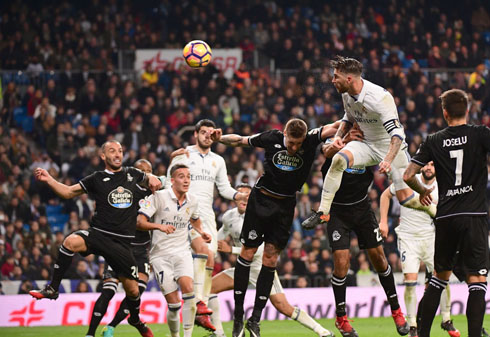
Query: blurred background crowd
<point>65,89</point>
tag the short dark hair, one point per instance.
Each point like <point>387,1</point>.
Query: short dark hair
<point>243,185</point>
<point>102,148</point>
<point>177,167</point>
<point>142,161</point>
<point>455,102</point>
<point>347,65</point>
<point>296,128</point>
<point>204,122</point>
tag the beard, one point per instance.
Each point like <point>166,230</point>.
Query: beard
<point>202,145</point>
<point>427,176</point>
<point>112,165</point>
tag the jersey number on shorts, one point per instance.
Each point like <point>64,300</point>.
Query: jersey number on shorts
<point>161,276</point>
<point>134,271</point>
<point>458,154</point>
<point>147,268</point>
<point>378,235</point>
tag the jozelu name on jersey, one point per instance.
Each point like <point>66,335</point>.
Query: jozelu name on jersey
<point>282,160</point>
<point>120,197</point>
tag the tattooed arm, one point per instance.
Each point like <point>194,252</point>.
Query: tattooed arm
<point>385,165</point>
<point>414,184</point>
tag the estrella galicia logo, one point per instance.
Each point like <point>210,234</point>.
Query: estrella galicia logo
<point>283,161</point>
<point>120,198</point>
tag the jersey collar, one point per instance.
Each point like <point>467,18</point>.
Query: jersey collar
<point>362,94</point>
<point>174,197</point>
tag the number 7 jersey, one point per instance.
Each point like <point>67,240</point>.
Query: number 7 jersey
<point>460,159</point>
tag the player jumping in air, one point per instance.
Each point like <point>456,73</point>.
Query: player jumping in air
<point>289,156</point>
<point>351,212</point>
<point>373,109</point>
<point>232,226</point>
<point>112,226</point>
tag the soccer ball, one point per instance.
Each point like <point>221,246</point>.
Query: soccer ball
<point>197,54</point>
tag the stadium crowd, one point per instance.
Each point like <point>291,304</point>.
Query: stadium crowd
<point>87,102</point>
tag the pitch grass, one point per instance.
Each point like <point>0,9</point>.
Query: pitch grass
<point>366,327</point>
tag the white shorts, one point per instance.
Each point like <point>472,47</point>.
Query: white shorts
<point>412,252</point>
<point>254,275</point>
<point>168,270</point>
<point>208,226</point>
<point>370,154</point>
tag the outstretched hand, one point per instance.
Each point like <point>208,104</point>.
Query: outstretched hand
<point>41,174</point>
<point>426,197</point>
<point>216,135</point>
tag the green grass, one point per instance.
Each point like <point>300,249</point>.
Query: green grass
<point>366,327</point>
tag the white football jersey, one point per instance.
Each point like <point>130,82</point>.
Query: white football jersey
<point>164,208</point>
<point>375,111</point>
<point>414,223</point>
<point>206,171</point>
<point>232,225</point>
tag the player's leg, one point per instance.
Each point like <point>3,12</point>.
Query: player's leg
<point>448,236</point>
<point>173,317</point>
<point>474,250</point>
<point>163,270</point>
<point>73,243</point>
<point>280,302</point>
<point>109,289</point>
<point>209,226</point>
<point>280,213</point>
<point>251,237</point>
<point>221,282</point>
<point>339,238</point>
<point>353,154</point>
<point>201,254</point>
<point>411,254</point>
<point>142,260</point>
<point>123,311</point>
<point>405,194</point>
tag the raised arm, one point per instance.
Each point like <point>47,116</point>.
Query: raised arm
<point>414,184</point>
<point>64,191</point>
<point>229,140</point>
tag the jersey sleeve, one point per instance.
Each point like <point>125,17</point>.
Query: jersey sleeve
<point>392,189</point>
<point>224,231</point>
<point>195,210</point>
<point>388,113</point>
<point>89,183</point>
<point>263,139</point>
<point>148,206</point>
<point>138,175</point>
<point>423,155</point>
<point>315,135</point>
<point>222,182</point>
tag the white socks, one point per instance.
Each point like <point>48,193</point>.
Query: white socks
<point>188,313</point>
<point>332,181</point>
<point>411,302</point>
<point>173,319</point>
<point>215,317</point>
<point>199,275</point>
<point>208,280</point>
<point>446,304</point>
<point>302,317</point>
<point>414,202</point>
